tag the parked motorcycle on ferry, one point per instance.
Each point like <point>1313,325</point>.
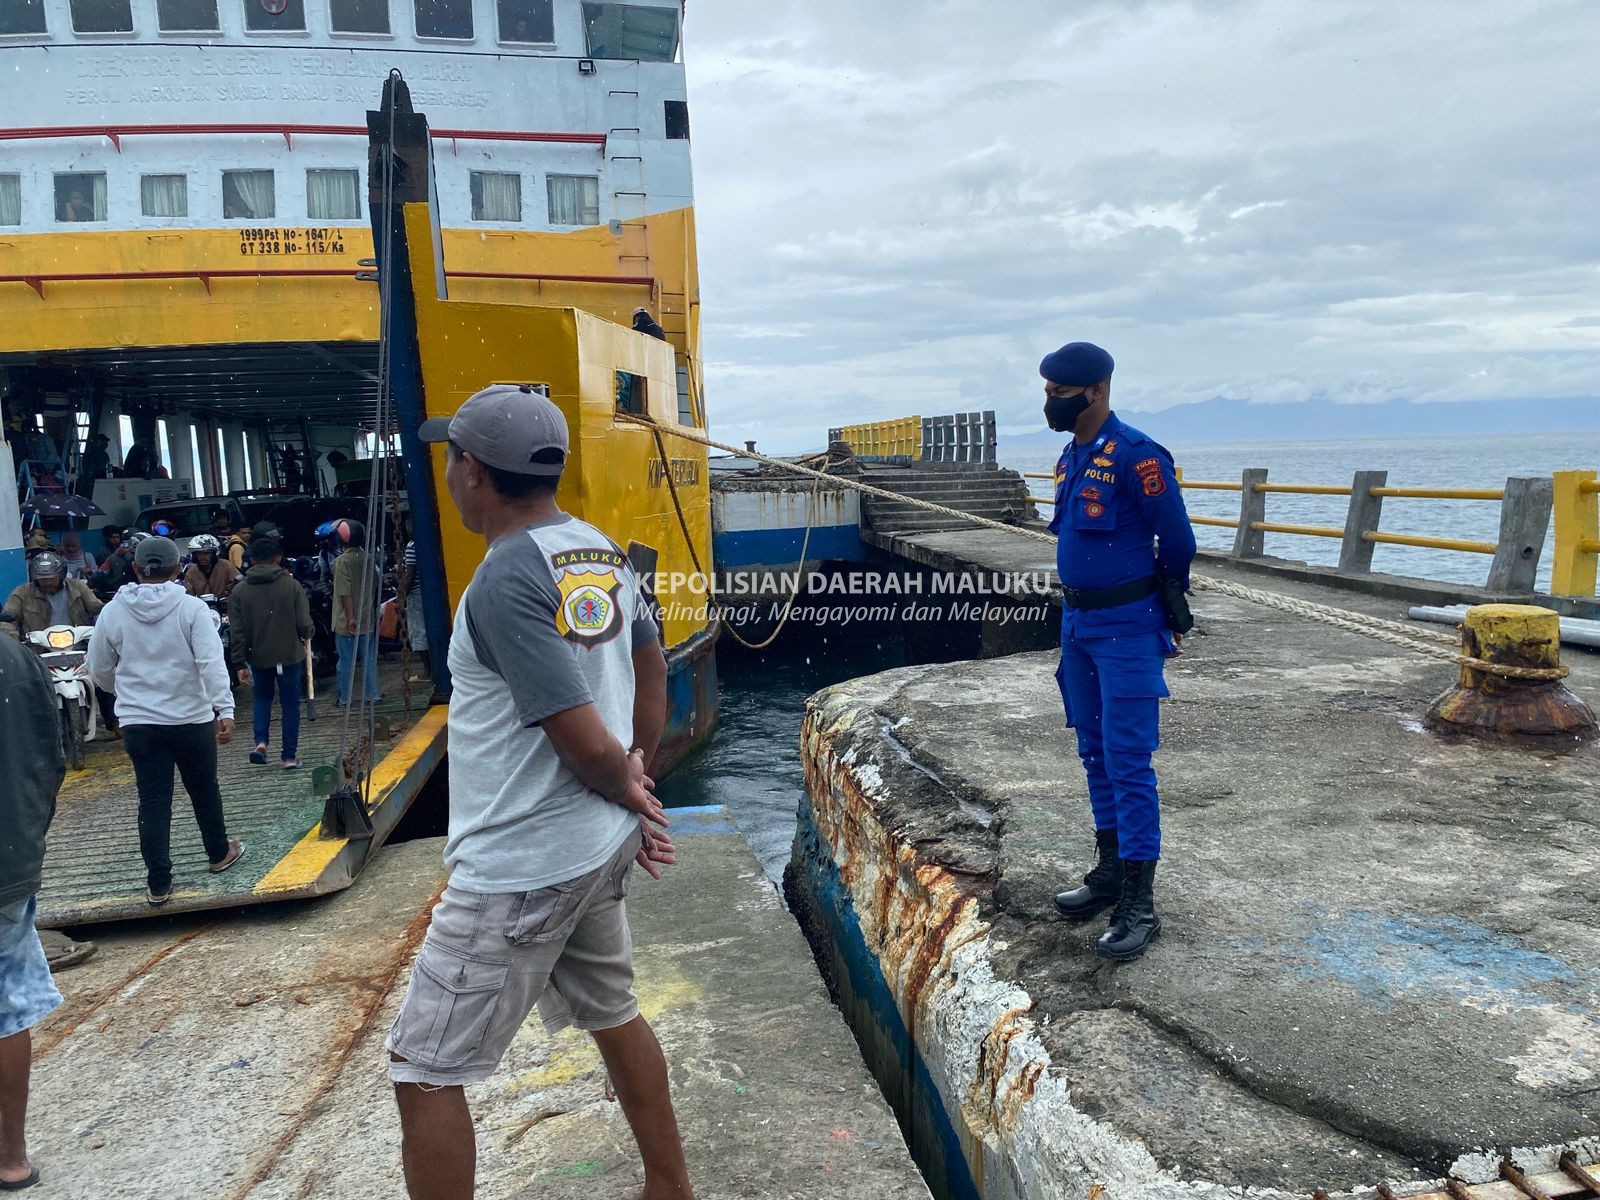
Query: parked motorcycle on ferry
<point>63,650</point>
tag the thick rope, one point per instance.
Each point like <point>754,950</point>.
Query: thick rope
<point>694,555</point>
<point>1395,633</point>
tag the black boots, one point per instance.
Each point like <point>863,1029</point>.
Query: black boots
<point>1134,924</point>
<point>1101,886</point>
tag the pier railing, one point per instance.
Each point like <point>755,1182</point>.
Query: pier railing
<point>1527,504</point>
<point>960,438</point>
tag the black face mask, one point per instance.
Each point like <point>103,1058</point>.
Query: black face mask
<point>1061,413</point>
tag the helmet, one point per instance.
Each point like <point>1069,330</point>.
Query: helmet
<point>46,565</point>
<point>348,533</point>
<point>204,543</point>
<point>133,537</point>
<point>161,528</point>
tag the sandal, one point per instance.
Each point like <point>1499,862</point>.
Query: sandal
<point>155,900</point>
<point>17,1185</point>
<point>291,764</point>
<point>258,756</point>
<point>235,849</point>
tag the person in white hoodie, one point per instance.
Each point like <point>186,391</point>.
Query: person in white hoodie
<point>156,649</point>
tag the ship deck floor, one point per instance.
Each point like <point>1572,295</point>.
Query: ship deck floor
<point>93,870</point>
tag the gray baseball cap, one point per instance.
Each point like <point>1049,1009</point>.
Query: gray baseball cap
<point>156,555</point>
<point>504,426</point>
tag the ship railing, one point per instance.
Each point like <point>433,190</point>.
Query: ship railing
<point>1527,504</point>
<point>206,276</point>
<point>958,438</point>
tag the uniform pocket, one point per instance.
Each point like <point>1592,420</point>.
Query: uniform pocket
<point>1093,508</point>
<point>447,1008</point>
<point>547,913</point>
<point>1131,667</point>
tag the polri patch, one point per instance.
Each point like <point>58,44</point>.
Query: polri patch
<point>1150,477</point>
<point>1105,462</point>
<point>1090,493</point>
<point>1093,509</point>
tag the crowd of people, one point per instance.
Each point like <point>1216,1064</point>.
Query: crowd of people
<point>173,634</point>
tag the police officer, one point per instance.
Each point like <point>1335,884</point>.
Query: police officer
<point>1123,538</point>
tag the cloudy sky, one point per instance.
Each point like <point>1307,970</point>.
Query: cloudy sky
<point>902,206</point>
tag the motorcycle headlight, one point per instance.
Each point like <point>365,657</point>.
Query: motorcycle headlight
<point>61,639</point>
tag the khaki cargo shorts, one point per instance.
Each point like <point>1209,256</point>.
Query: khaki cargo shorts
<point>489,959</point>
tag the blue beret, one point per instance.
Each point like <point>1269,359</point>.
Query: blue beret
<point>1077,364</point>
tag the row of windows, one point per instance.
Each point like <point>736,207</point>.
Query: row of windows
<point>624,31</point>
<point>331,195</point>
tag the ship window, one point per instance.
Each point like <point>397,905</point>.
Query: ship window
<point>631,394</point>
<point>10,199</point>
<point>333,195</point>
<point>81,197</point>
<point>359,16</point>
<point>496,196</point>
<point>187,16</point>
<point>678,120</point>
<point>249,195</point>
<point>631,31</point>
<point>574,200</point>
<point>164,195</point>
<point>527,21</point>
<point>22,17</point>
<point>102,16</point>
<point>444,19</point>
<point>275,16</point>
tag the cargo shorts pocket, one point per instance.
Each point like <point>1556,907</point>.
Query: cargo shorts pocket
<point>448,1008</point>
<point>548,913</point>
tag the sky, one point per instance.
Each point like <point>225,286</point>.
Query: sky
<point>902,207</point>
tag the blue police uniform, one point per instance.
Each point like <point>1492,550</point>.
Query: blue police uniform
<point>1119,519</point>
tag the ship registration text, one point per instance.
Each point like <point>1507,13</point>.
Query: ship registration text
<point>291,241</point>
<point>685,472</point>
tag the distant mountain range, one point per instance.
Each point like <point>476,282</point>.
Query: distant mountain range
<point>1224,420</point>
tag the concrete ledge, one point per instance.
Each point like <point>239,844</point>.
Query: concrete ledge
<point>1380,947</point>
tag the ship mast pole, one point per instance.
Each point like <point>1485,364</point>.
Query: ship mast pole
<point>398,133</point>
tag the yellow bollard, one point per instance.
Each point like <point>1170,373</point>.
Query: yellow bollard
<point>1487,703</point>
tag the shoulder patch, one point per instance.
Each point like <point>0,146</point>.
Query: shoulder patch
<point>590,609</point>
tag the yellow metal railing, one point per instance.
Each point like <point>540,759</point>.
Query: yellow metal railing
<point>1576,565</point>
<point>1577,520</point>
<point>899,438</point>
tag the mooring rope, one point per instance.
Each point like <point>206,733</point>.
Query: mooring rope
<point>1395,633</point>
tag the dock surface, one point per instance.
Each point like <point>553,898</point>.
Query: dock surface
<point>240,1055</point>
<point>93,871</point>
<point>1379,951</point>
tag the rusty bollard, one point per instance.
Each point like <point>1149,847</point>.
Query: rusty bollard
<point>1492,704</point>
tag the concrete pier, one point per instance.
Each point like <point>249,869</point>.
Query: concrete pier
<point>1379,955</point>
<point>239,1054</point>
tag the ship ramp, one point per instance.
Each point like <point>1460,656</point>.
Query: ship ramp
<point>93,871</point>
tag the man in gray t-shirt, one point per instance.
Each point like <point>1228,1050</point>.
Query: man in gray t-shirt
<point>559,690</point>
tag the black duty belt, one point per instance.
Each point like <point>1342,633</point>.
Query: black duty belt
<point>1123,593</point>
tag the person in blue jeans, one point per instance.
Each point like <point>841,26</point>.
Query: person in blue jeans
<point>1121,531</point>
<point>269,624</point>
<point>355,610</point>
<point>31,751</point>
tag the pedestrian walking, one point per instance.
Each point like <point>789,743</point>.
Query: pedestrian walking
<point>1124,545</point>
<point>559,701</point>
<point>355,611</point>
<point>157,649</point>
<point>34,767</point>
<point>269,623</point>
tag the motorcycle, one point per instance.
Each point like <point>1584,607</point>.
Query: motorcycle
<point>219,618</point>
<point>61,648</point>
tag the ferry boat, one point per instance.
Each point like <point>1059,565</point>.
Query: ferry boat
<point>188,265</point>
